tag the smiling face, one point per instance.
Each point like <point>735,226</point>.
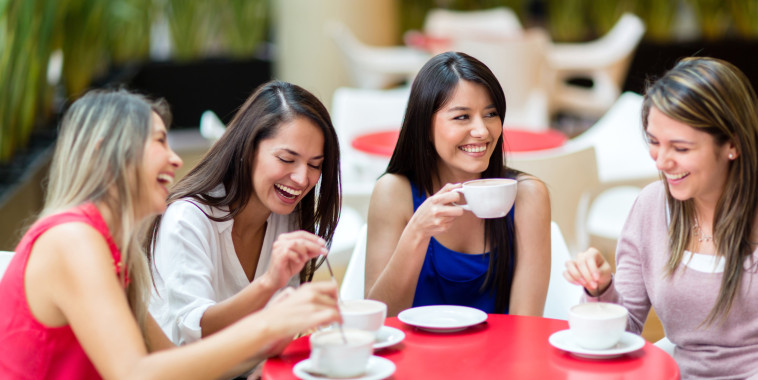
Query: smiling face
<point>695,167</point>
<point>159,164</point>
<point>288,165</point>
<point>465,131</point>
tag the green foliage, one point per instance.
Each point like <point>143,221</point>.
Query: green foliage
<point>95,34</point>
<point>26,31</point>
<point>745,15</point>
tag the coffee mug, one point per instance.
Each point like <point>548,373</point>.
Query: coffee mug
<point>597,325</point>
<point>367,315</point>
<point>332,357</point>
<point>489,198</point>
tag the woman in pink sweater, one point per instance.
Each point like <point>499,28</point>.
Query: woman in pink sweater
<point>688,248</point>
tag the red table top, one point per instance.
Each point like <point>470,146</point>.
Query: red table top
<point>383,143</point>
<point>504,347</point>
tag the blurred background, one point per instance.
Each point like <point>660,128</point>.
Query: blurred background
<point>209,55</point>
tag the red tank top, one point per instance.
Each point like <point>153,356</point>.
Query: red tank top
<point>29,349</point>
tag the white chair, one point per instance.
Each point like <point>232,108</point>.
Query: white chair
<point>666,345</point>
<point>605,61</point>
<point>356,111</point>
<point>518,62</point>
<point>376,67</point>
<point>353,284</point>
<point>561,294</point>
<point>570,176</point>
<point>451,24</point>
<point>623,156</point>
<point>5,259</point>
<point>211,127</point>
<point>345,236</point>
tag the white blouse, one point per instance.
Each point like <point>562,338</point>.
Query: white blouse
<point>195,265</point>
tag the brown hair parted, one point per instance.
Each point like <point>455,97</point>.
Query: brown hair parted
<point>416,158</point>
<point>715,97</point>
<point>230,162</point>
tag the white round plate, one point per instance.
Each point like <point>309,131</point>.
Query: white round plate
<point>562,340</point>
<point>388,336</point>
<point>442,318</point>
<point>378,368</point>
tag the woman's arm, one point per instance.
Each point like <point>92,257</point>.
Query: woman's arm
<point>398,238</point>
<point>77,285</point>
<point>187,249</point>
<point>289,254</point>
<point>532,273</point>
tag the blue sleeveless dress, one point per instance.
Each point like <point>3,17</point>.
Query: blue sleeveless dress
<point>453,278</point>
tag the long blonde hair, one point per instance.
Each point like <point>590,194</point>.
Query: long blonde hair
<point>715,97</point>
<point>97,158</point>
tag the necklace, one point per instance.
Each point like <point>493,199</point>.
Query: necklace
<point>701,236</point>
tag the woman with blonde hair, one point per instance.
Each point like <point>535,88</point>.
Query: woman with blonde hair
<point>688,248</point>
<point>73,301</point>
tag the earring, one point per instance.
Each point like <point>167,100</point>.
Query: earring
<point>731,156</point>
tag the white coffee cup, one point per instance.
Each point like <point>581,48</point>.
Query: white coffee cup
<point>332,357</point>
<point>597,325</point>
<point>490,197</point>
<point>367,315</point>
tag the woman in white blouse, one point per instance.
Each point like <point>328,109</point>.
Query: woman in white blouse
<point>246,221</point>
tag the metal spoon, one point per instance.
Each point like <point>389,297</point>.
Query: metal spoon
<point>331,273</point>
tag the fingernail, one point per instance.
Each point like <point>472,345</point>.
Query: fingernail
<point>324,250</point>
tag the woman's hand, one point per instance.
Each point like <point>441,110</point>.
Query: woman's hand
<point>438,212</point>
<point>289,254</point>
<point>296,310</point>
<point>590,270</point>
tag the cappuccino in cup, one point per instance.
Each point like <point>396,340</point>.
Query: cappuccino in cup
<point>597,325</point>
<point>367,315</point>
<point>332,357</point>
<point>490,197</point>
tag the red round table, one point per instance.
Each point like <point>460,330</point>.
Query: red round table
<point>504,347</point>
<point>515,140</point>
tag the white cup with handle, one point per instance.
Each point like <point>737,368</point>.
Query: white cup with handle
<point>597,325</point>
<point>489,198</point>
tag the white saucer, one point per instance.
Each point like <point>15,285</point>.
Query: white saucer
<point>388,336</point>
<point>629,343</point>
<point>442,318</point>
<point>378,368</point>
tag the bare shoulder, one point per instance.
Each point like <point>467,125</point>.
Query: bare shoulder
<point>531,190</point>
<point>391,192</point>
<point>59,239</point>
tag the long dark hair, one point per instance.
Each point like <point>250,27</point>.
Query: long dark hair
<point>230,162</point>
<point>715,97</point>
<point>416,158</point>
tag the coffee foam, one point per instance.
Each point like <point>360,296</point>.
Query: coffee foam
<point>490,182</point>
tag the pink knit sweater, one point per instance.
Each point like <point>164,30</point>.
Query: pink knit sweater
<point>726,350</point>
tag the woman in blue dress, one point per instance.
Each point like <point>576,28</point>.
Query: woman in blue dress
<point>422,249</point>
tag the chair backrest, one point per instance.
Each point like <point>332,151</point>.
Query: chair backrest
<point>353,284</point>
<point>211,127</point>
<point>561,294</point>
<point>494,22</point>
<point>5,259</point>
<point>571,177</point>
<point>622,155</point>
<point>356,111</point>
<point>375,67</point>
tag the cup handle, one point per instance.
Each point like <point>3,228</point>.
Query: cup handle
<point>466,206</point>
